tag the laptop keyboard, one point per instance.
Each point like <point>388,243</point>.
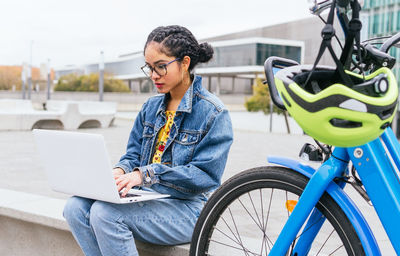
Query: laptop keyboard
<point>130,195</point>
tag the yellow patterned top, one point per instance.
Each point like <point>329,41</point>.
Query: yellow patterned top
<point>163,136</point>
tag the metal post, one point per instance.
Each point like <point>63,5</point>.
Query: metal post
<point>29,81</point>
<point>271,111</point>
<point>130,85</point>
<point>101,76</point>
<point>23,79</point>
<point>217,90</point>
<point>48,79</point>
<point>287,122</point>
<point>30,74</point>
<point>395,124</point>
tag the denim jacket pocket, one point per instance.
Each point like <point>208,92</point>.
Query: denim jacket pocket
<point>187,137</point>
<point>147,136</point>
<point>185,143</point>
<point>148,130</point>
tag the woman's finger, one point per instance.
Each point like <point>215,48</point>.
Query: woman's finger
<point>119,179</point>
<point>122,184</point>
<point>127,188</point>
<point>134,180</point>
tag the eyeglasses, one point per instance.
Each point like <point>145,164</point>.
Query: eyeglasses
<point>160,69</point>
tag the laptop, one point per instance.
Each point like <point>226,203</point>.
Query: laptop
<point>78,164</point>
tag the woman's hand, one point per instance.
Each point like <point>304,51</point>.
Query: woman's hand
<point>118,172</point>
<point>126,181</point>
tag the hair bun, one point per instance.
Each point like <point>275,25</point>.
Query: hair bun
<point>206,52</point>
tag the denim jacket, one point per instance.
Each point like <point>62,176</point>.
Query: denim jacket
<point>196,152</point>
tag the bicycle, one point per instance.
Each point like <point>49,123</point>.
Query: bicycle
<point>292,209</point>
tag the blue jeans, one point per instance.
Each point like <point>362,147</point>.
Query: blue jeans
<point>102,228</point>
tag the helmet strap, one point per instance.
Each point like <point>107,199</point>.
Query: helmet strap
<point>328,32</point>
<point>353,33</point>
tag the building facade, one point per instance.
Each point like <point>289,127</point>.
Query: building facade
<point>238,58</point>
<point>233,68</point>
<point>304,30</point>
<point>382,18</point>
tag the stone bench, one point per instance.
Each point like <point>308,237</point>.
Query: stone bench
<point>20,115</point>
<point>33,225</point>
<point>84,114</point>
<point>71,115</point>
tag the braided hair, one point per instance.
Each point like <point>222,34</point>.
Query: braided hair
<point>179,42</point>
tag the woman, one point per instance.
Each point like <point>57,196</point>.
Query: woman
<point>178,146</point>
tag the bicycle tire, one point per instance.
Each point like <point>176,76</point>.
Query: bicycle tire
<point>247,184</point>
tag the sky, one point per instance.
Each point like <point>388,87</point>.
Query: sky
<point>74,32</point>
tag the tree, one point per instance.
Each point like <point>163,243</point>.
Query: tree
<point>9,76</point>
<point>260,101</point>
<point>89,83</point>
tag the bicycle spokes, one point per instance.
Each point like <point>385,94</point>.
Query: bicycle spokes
<point>251,224</point>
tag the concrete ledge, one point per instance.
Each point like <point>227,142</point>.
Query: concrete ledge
<point>146,249</point>
<point>33,208</point>
<point>24,238</point>
<point>70,115</point>
<point>34,225</point>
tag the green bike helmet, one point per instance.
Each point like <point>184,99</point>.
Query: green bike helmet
<point>333,113</point>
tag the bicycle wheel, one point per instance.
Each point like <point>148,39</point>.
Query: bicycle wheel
<point>246,214</point>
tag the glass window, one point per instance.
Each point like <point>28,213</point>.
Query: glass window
<point>234,55</point>
<point>266,50</point>
<point>370,25</point>
<point>390,22</point>
<point>396,70</point>
<point>384,23</point>
<point>250,54</point>
<point>375,24</point>
<point>392,51</point>
<point>381,23</point>
<point>398,20</point>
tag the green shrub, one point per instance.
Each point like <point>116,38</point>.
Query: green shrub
<point>68,82</point>
<point>89,83</point>
<point>260,100</point>
<point>115,85</point>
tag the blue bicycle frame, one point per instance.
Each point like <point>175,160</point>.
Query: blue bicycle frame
<point>380,178</point>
